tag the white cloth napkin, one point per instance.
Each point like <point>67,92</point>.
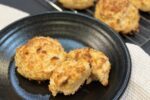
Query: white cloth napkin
<point>9,15</point>
<point>139,84</point>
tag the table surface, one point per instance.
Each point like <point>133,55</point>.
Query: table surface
<point>33,7</point>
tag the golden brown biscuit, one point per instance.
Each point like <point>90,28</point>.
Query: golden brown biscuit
<point>69,76</point>
<point>121,15</point>
<point>143,5</point>
<point>77,4</point>
<point>100,65</point>
<point>36,59</point>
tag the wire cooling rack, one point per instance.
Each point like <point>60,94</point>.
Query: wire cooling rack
<point>141,38</point>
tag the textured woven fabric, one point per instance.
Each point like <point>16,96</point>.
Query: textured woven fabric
<point>139,84</point>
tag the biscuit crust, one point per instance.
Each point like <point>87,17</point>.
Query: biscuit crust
<point>120,15</point>
<point>69,76</point>
<point>37,58</point>
<point>77,4</point>
<point>143,5</point>
<point>99,63</point>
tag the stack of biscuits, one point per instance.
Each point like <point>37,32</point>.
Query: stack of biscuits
<point>44,58</point>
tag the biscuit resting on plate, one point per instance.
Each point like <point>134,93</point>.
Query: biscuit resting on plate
<point>37,58</point>
<point>69,76</point>
<point>77,4</point>
<point>120,15</point>
<point>99,63</point>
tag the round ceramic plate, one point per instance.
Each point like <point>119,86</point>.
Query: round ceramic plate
<point>73,31</point>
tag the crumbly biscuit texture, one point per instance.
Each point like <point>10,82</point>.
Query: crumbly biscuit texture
<point>99,63</point>
<point>143,5</point>
<point>37,58</point>
<point>120,15</point>
<point>69,76</point>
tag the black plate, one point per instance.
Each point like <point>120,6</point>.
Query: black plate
<point>73,31</point>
